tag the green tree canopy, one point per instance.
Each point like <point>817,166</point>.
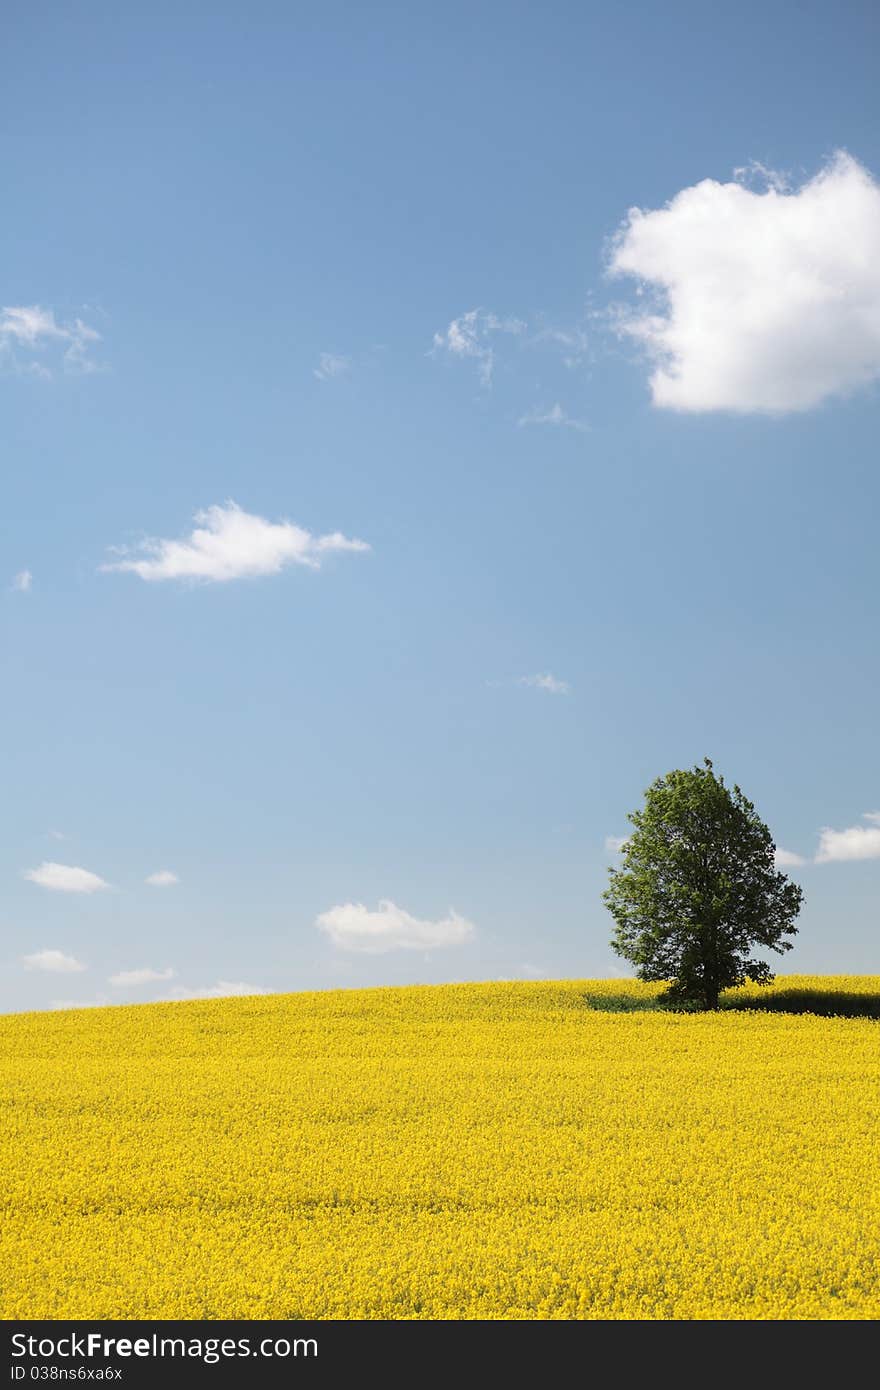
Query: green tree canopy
<point>698,888</point>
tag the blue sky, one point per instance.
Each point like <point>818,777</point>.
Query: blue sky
<point>351,268</point>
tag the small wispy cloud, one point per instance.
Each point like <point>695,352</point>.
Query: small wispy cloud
<point>353,927</point>
<point>55,962</point>
<point>756,172</point>
<point>223,989</point>
<point>29,324</point>
<point>26,329</point>
<point>162,878</point>
<point>615,843</point>
<point>555,415</point>
<point>572,343</point>
<point>127,979</point>
<point>228,543</point>
<point>855,842</point>
<point>22,582</point>
<point>787,859</point>
<point>100,1003</point>
<point>471,336</point>
<point>331,364</point>
<point>65,878</point>
<point>546,681</point>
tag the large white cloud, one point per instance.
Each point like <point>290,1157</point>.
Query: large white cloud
<point>355,928</point>
<point>65,878</point>
<point>54,961</point>
<point>228,543</point>
<point>856,842</point>
<point>766,301</point>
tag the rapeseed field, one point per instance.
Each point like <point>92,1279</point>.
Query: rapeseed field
<point>466,1151</point>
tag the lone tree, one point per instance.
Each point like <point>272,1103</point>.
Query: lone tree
<point>698,889</point>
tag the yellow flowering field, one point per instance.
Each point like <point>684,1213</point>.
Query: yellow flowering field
<point>463,1151</point>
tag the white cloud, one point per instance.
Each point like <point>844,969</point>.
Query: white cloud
<point>547,682</point>
<point>554,416</point>
<point>162,878</point>
<point>223,989</point>
<point>787,859</point>
<point>127,978</point>
<point>65,878</point>
<point>28,328</point>
<point>856,842</point>
<point>757,172</point>
<point>767,301</point>
<point>100,1003</point>
<point>471,336</point>
<point>22,582</point>
<point>54,961</point>
<point>29,325</point>
<point>354,927</point>
<point>572,343</point>
<point>330,364</point>
<point>229,543</point>
<point>615,843</point>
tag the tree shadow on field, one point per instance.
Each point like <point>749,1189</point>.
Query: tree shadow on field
<point>621,1003</point>
<point>827,1003</point>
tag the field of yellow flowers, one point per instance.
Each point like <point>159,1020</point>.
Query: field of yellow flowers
<point>463,1151</point>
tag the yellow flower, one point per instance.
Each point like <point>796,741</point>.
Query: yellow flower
<point>463,1151</point>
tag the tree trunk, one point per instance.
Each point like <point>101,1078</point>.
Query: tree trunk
<point>712,972</point>
<point>710,983</point>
